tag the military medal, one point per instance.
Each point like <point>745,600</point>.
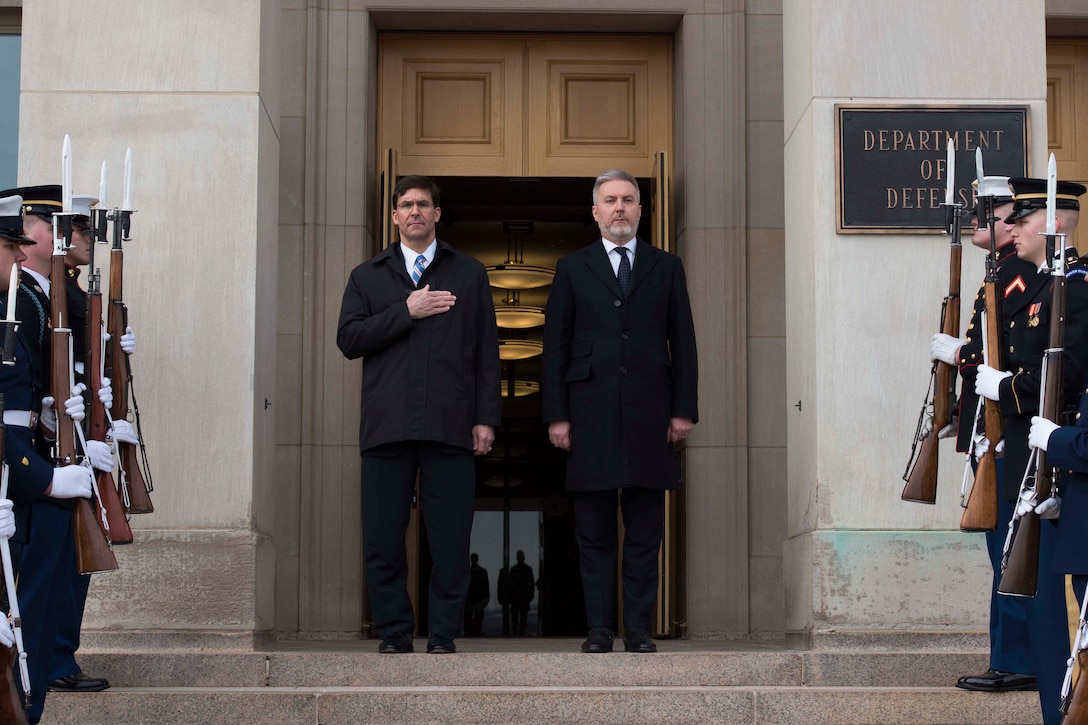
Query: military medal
<point>1033,314</point>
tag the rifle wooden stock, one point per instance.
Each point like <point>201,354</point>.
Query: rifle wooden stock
<point>921,486</point>
<point>1075,707</point>
<point>1020,576</point>
<point>11,701</point>
<point>980,513</point>
<point>93,552</point>
<point>139,498</point>
<point>108,498</point>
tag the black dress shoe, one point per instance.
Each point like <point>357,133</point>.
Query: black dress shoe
<point>598,642</point>
<point>397,643</point>
<point>997,681</point>
<point>637,639</point>
<point>440,645</point>
<point>78,682</point>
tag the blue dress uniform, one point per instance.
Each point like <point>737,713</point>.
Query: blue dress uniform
<point>34,312</point>
<point>1068,449</point>
<point>43,529</point>
<point>1009,651</point>
<point>1028,324</point>
<point>74,599</point>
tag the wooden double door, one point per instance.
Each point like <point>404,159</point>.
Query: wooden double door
<point>515,128</point>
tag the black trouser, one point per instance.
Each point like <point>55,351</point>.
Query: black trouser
<point>644,527</point>
<point>447,489</point>
<point>519,615</point>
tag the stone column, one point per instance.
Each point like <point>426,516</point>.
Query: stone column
<point>710,230</point>
<point>861,309</point>
<point>193,89</point>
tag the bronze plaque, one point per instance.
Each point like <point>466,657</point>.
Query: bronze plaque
<point>890,161</point>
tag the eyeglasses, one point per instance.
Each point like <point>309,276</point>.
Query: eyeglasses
<point>407,206</point>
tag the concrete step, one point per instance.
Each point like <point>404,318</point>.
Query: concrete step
<point>548,681</point>
<point>356,705</point>
<point>668,668</point>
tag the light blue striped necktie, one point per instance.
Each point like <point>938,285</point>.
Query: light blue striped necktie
<point>417,270</point>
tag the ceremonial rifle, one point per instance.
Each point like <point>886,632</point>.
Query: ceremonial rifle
<point>1020,559</point>
<point>1074,702</point>
<point>110,509</point>
<point>921,473</point>
<point>135,487</point>
<point>980,510</point>
<point>93,551</point>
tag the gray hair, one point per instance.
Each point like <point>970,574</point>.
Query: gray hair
<point>616,175</point>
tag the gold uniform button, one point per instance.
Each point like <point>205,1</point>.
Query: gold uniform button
<point>1012,324</point>
<point>1012,349</point>
<point>971,326</point>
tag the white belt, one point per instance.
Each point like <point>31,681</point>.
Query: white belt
<point>78,367</point>
<point>22,418</point>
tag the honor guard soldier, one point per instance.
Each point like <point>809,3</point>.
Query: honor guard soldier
<point>1017,391</point>
<point>44,528</point>
<point>39,205</point>
<point>1011,665</point>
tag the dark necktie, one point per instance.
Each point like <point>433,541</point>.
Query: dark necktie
<point>624,273</point>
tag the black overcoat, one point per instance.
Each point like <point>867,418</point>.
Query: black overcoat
<point>423,380</point>
<point>619,368</point>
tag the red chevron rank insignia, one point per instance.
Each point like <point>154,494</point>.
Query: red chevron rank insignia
<point>1016,284</point>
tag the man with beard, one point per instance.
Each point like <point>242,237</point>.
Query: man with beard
<point>619,378</point>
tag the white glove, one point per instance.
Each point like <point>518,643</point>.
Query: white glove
<point>1048,509</point>
<point>105,393</point>
<point>947,432</point>
<point>945,348</point>
<point>1039,435</point>
<point>1051,508</point>
<point>7,520</point>
<point>7,637</point>
<point>74,407</point>
<point>48,418</point>
<point>988,382</point>
<point>982,444</point>
<point>128,341</point>
<point>123,432</point>
<point>100,455</point>
<point>71,482</point>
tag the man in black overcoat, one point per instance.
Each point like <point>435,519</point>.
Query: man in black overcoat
<point>420,314</point>
<point>619,379</point>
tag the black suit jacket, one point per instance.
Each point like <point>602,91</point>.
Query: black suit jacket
<point>619,368</point>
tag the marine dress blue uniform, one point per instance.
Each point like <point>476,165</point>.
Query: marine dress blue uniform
<point>43,529</point>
